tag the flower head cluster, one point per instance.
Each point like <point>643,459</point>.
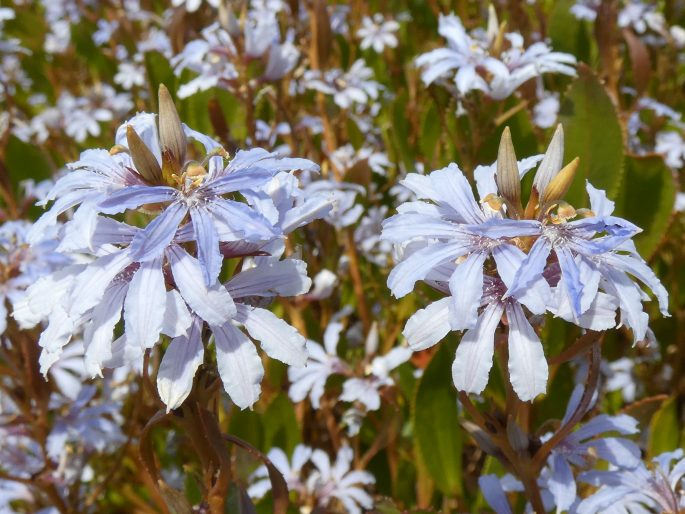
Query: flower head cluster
<point>164,277</point>
<point>219,55</point>
<point>491,61</point>
<point>500,263</point>
<point>602,438</point>
<point>659,487</point>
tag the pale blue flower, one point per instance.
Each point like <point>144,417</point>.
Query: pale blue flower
<point>238,362</point>
<point>453,227</point>
<point>582,447</point>
<point>657,488</point>
<point>468,62</point>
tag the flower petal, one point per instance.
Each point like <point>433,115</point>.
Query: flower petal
<point>150,242</point>
<point>273,278</point>
<point>527,364</point>
<point>531,269</point>
<point>473,359</point>
<point>177,319</point>
<point>180,362</point>
<point>207,240</point>
<point>419,264</point>
<point>466,286</point>
<point>213,304</point>
<point>99,334</point>
<point>278,339</point>
<point>145,304</point>
<point>131,197</point>
<point>428,326</point>
<point>239,365</point>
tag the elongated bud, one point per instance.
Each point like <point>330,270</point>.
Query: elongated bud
<point>516,436</point>
<point>560,184</point>
<point>493,23</point>
<point>507,176</point>
<point>172,139</point>
<point>551,162</point>
<point>143,159</point>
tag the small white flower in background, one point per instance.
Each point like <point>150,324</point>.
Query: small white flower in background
<point>377,33</point>
<point>323,362</point>
<point>585,9</point>
<point>209,57</point>
<point>338,16</point>
<point>104,32</point>
<point>346,157</point>
<point>546,110</point>
<point>325,282</point>
<point>130,74</point>
<point>672,146</point>
<point>343,195</point>
<point>291,471</point>
<point>21,265</point>
<point>367,236</point>
<point>641,16</point>
<point>679,202</point>
<point>58,39</point>
<point>324,485</point>
<point>468,62</point>
<point>355,85</point>
<point>678,35</point>
<point>339,482</point>
<point>367,390</point>
<point>193,5</point>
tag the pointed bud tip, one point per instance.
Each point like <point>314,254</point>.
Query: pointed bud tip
<point>507,175</point>
<point>560,184</point>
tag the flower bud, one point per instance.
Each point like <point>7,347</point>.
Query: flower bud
<point>560,184</point>
<point>143,159</point>
<point>172,138</point>
<point>507,177</point>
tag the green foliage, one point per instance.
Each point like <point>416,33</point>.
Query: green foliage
<point>568,34</point>
<point>592,132</point>
<point>665,429</point>
<point>437,435</point>
<point>646,198</point>
<point>282,430</point>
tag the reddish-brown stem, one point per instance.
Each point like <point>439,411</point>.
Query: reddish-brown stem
<point>594,360</point>
<point>357,283</point>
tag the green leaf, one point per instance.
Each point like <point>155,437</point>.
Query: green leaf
<point>159,71</point>
<point>593,133</point>
<point>280,428</point>
<point>568,33</point>
<point>400,129</point>
<point>24,161</point>
<point>646,198</point>
<point>247,425</point>
<point>664,429</point>
<point>438,437</point>
<point>430,132</point>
